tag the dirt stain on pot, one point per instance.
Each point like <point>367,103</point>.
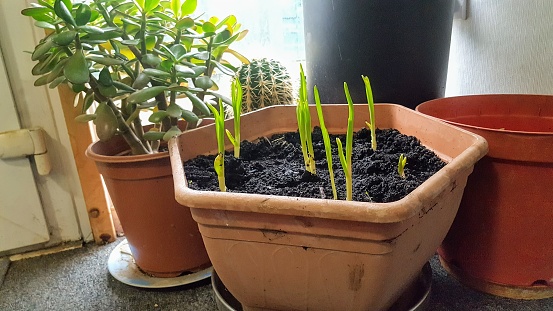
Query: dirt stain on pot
<point>272,234</point>
<point>356,274</point>
<point>306,222</point>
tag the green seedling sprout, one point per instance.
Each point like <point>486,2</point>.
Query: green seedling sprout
<point>370,101</point>
<point>326,140</point>
<point>219,162</point>
<point>304,126</point>
<point>236,91</point>
<point>401,165</point>
<point>345,160</point>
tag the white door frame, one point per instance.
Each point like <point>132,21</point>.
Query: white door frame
<point>60,191</point>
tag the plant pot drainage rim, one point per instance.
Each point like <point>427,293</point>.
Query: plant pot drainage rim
<point>502,290</point>
<point>419,294</point>
<point>122,267</point>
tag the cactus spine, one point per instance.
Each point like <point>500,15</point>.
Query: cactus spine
<point>265,82</point>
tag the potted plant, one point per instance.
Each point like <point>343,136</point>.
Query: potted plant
<point>403,45</point>
<point>496,243</point>
<point>125,58</point>
<point>295,253</point>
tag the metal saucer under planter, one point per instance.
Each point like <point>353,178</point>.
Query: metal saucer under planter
<point>122,267</point>
<point>415,298</point>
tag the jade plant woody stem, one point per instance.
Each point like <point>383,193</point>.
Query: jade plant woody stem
<point>345,160</point>
<point>304,126</point>
<point>236,91</point>
<point>326,140</point>
<point>370,101</point>
<point>219,163</point>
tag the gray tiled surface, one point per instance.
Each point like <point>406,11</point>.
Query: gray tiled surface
<point>79,280</point>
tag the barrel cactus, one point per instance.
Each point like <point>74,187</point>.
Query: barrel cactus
<point>265,82</point>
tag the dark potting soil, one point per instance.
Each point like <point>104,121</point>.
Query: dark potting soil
<point>274,165</point>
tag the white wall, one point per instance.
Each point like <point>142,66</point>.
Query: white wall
<point>504,46</point>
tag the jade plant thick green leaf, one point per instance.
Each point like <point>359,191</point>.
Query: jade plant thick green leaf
<point>134,55</point>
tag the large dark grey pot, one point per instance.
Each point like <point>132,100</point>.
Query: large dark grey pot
<point>401,45</point>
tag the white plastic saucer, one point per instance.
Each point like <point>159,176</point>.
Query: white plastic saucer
<point>122,267</point>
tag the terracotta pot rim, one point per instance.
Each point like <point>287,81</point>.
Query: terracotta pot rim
<point>487,129</point>
<point>91,154</point>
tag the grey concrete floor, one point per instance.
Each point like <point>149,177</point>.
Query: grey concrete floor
<point>79,280</point>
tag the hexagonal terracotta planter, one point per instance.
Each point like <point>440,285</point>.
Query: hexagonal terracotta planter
<point>289,253</point>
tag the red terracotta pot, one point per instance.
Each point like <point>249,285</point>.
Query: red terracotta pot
<point>163,238</point>
<point>500,241</point>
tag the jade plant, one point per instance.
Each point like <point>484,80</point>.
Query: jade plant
<point>134,56</point>
<point>304,126</point>
<point>265,82</point>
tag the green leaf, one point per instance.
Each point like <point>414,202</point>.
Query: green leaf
<point>230,137</point>
<point>224,69</point>
<point>42,49</point>
<point>175,7</point>
<point>208,27</point>
<point>57,70</point>
<point>204,82</point>
<point>57,81</point>
<point>107,91</point>
<point>76,68</point>
<point>63,12</point>
<point>188,7</point>
<point>84,118</point>
<point>157,73</point>
<point>141,81</point>
<point>185,70</point>
<point>64,38</point>
<point>198,103</point>
<point>145,94</point>
<point>87,101</point>
<point>222,36</point>
<point>41,81</point>
<point>185,23</point>
<point>105,77</point>
<point>106,122</point>
<point>178,50</point>
<point>123,86</point>
<point>77,88</point>
<point>149,5</point>
<point>130,42</point>
<point>91,29</point>
<point>189,116</point>
<point>172,132</point>
<point>151,60</point>
<point>46,64</point>
<point>83,14</point>
<point>106,61</point>
<point>140,3</point>
<point>174,111</point>
<point>41,14</point>
<point>153,135</point>
<point>45,25</point>
<point>158,116</point>
<point>204,55</point>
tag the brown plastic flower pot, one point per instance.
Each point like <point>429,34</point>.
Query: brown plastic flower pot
<point>290,253</point>
<point>501,242</point>
<point>163,238</point>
